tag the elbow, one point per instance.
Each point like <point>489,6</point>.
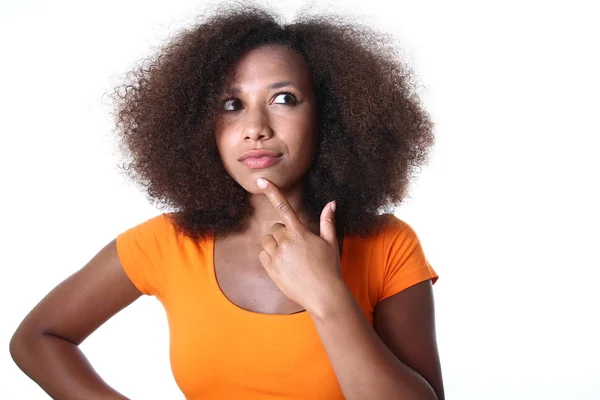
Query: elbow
<point>18,346</point>
<point>427,393</point>
<point>431,395</point>
<point>22,345</point>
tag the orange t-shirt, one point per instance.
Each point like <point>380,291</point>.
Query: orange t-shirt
<point>221,351</point>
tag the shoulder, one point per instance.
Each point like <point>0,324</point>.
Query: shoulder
<point>152,234</point>
<point>389,232</point>
<point>163,223</point>
<point>393,230</point>
<point>403,260</point>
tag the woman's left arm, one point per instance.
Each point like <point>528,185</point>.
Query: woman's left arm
<point>397,359</point>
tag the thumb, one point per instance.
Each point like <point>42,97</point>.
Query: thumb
<point>327,227</point>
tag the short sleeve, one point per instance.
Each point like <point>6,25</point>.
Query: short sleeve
<point>405,263</point>
<point>142,252</point>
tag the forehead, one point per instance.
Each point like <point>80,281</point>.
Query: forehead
<point>270,63</point>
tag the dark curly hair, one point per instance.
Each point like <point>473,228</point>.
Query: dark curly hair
<point>373,131</point>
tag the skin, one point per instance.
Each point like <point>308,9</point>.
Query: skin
<point>304,266</point>
<point>400,352</point>
<point>256,116</point>
<point>45,345</point>
<point>268,102</point>
<point>307,269</point>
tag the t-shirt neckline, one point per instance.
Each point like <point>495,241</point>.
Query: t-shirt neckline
<point>228,304</point>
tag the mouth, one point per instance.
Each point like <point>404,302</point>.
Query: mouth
<point>257,153</point>
<point>260,162</point>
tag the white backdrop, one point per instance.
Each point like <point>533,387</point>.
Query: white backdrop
<point>507,210</point>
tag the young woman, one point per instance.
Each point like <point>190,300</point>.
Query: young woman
<point>278,146</point>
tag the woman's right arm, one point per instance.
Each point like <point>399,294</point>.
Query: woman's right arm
<point>45,345</point>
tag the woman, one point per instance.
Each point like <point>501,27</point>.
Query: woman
<point>250,129</point>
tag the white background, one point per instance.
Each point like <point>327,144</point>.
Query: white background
<point>507,210</point>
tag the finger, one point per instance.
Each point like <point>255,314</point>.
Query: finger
<point>265,259</point>
<point>278,231</point>
<point>291,220</point>
<point>327,224</point>
<point>269,244</point>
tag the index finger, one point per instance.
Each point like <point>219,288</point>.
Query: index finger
<point>279,201</point>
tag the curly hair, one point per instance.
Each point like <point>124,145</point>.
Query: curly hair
<point>373,131</point>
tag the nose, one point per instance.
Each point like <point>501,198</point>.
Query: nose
<point>256,124</point>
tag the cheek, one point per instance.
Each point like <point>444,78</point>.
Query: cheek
<point>304,144</point>
<point>308,132</point>
<point>224,142</point>
<point>304,124</point>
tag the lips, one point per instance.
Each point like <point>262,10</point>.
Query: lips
<point>258,153</point>
<point>260,162</point>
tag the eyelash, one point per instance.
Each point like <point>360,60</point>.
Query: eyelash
<point>276,95</point>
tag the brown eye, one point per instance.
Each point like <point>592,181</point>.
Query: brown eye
<point>231,104</point>
<point>287,98</point>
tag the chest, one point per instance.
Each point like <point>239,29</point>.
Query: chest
<point>243,280</point>
<point>220,351</point>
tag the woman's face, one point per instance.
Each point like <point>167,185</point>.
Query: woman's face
<point>268,103</point>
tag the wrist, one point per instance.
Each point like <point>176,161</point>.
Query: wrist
<point>338,301</point>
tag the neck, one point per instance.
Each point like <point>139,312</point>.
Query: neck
<point>265,214</point>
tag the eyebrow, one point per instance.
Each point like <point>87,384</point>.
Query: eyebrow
<point>276,85</point>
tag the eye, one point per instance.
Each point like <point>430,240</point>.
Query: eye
<point>287,98</point>
<point>231,104</point>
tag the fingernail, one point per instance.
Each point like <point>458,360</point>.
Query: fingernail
<point>333,206</point>
<point>261,183</point>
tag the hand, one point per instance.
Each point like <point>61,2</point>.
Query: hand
<point>304,266</point>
